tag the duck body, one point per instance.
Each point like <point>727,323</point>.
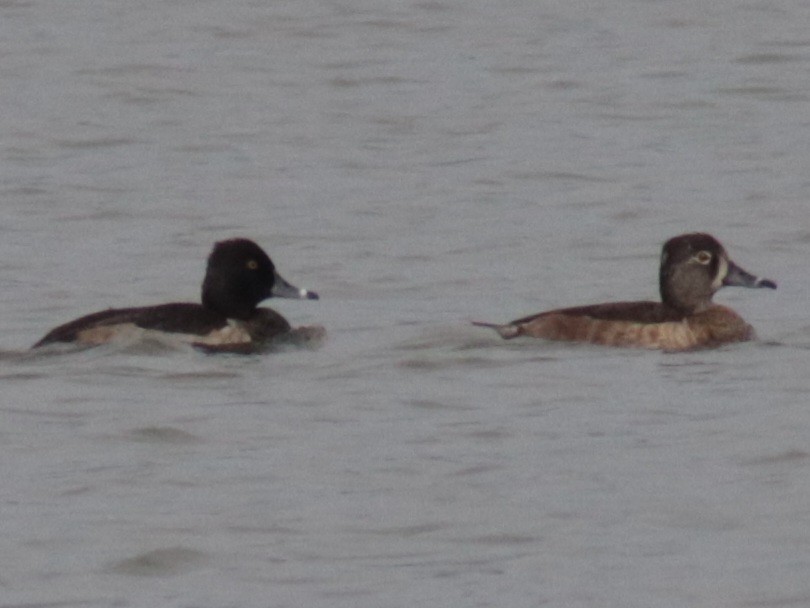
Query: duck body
<point>693,267</point>
<point>641,324</point>
<point>185,321</point>
<point>239,275</point>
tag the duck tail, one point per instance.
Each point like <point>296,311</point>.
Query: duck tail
<point>506,332</point>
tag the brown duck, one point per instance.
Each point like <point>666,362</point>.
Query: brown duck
<point>693,267</point>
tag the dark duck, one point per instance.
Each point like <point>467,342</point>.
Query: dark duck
<point>238,277</point>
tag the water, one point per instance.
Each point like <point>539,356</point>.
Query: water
<point>419,165</point>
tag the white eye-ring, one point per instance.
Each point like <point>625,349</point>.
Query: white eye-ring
<point>703,257</point>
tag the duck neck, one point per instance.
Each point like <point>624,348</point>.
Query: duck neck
<point>229,307</point>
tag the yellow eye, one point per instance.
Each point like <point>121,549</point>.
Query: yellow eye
<point>703,257</point>
<point>252,264</point>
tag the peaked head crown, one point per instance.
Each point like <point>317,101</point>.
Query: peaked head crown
<point>693,267</point>
<point>239,276</point>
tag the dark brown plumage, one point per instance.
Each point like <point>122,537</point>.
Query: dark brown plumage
<point>239,275</point>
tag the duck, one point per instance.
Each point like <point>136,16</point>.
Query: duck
<point>239,275</point>
<point>693,268</point>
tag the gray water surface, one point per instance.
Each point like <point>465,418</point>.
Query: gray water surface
<point>420,165</point>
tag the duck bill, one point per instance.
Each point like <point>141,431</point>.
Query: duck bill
<point>737,277</point>
<point>283,289</point>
